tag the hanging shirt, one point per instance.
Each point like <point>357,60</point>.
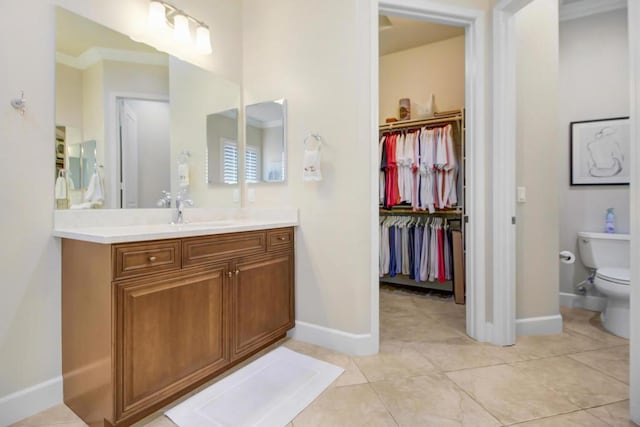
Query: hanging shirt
<point>382,164</point>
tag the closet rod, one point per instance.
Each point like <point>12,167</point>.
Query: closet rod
<point>414,123</point>
<point>404,211</point>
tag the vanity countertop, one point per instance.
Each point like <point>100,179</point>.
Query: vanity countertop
<point>137,233</point>
<point>120,226</point>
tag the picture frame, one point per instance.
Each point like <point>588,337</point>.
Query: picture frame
<point>599,152</point>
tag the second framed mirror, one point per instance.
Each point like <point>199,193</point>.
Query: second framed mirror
<point>265,136</point>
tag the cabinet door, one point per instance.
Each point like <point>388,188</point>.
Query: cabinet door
<point>170,333</point>
<point>262,301</point>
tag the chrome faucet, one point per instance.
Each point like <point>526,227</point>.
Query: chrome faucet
<point>181,202</point>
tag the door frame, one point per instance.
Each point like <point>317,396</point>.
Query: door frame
<point>633,17</point>
<point>473,20</point>
<point>504,178</point>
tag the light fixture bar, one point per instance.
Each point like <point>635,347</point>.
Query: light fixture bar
<point>164,14</point>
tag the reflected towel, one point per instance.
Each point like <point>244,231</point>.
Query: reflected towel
<point>311,165</point>
<point>61,188</point>
<point>86,205</point>
<point>95,191</point>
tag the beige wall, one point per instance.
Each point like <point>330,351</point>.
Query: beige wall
<point>316,71</point>
<point>536,166</point>
<point>196,93</point>
<point>123,79</point>
<point>592,86</point>
<point>324,77</point>
<point>68,96</point>
<point>436,68</point>
<point>30,301</point>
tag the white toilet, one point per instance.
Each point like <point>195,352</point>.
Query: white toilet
<point>608,254</point>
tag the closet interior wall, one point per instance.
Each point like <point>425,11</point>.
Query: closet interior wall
<point>405,222</point>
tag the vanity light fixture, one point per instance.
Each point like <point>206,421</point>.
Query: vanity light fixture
<point>165,15</point>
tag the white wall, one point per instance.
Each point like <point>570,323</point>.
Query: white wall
<point>435,68</point>
<point>594,84</point>
<point>536,167</point>
<point>153,150</point>
<point>30,261</point>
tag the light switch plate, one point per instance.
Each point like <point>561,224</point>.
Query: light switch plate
<point>251,195</point>
<point>521,194</point>
<point>236,196</point>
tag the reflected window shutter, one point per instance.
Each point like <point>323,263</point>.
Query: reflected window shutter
<point>230,163</point>
<point>251,165</point>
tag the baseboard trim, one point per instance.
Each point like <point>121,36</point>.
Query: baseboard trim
<point>30,400</point>
<point>544,325</point>
<point>344,342</point>
<point>588,302</point>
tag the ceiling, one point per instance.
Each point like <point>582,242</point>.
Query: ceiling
<point>75,35</point>
<point>408,33</point>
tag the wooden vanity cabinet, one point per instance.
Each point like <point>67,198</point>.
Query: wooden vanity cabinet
<point>144,323</point>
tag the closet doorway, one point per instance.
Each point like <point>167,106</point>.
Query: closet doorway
<point>448,111</point>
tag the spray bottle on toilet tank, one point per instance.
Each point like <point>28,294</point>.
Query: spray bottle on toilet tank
<point>610,226</point>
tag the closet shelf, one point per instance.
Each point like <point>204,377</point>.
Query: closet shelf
<point>448,117</point>
<point>407,281</point>
<point>411,211</point>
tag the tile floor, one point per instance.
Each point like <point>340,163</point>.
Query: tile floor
<point>428,373</point>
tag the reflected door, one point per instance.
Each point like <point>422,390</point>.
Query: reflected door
<point>129,156</point>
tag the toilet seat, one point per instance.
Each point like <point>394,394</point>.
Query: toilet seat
<point>620,276</point>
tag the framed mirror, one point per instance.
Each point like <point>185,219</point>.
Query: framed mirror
<point>142,108</point>
<point>265,134</point>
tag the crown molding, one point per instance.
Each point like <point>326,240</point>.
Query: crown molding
<point>263,125</point>
<point>96,54</point>
<point>583,8</point>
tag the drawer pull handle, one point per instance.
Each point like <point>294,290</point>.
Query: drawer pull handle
<point>237,272</point>
<point>282,238</point>
<point>152,258</point>
<point>229,274</point>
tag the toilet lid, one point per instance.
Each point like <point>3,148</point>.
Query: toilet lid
<point>616,275</point>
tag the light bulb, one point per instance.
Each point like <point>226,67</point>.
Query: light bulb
<point>157,17</point>
<point>203,40</point>
<point>181,30</point>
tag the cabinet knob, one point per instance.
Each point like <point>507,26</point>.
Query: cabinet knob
<point>152,258</point>
<point>237,272</point>
<point>229,274</point>
<point>282,238</point>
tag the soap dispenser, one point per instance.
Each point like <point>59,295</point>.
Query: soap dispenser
<point>610,226</point>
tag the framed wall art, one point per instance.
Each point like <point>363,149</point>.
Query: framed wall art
<point>600,152</point>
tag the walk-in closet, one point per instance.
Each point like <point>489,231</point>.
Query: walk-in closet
<point>421,144</point>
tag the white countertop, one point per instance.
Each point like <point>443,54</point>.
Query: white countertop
<point>119,232</point>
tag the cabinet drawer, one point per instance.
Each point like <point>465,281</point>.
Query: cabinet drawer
<point>196,251</point>
<point>135,259</point>
<point>280,239</point>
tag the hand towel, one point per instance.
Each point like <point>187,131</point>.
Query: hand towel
<point>95,191</point>
<point>311,165</point>
<point>61,188</point>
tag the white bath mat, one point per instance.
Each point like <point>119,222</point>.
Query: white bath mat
<point>270,391</point>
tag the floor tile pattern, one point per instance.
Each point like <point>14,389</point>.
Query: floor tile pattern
<point>429,373</point>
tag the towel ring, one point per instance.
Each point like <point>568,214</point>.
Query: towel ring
<point>313,137</point>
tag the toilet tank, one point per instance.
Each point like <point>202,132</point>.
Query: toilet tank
<point>598,250</point>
